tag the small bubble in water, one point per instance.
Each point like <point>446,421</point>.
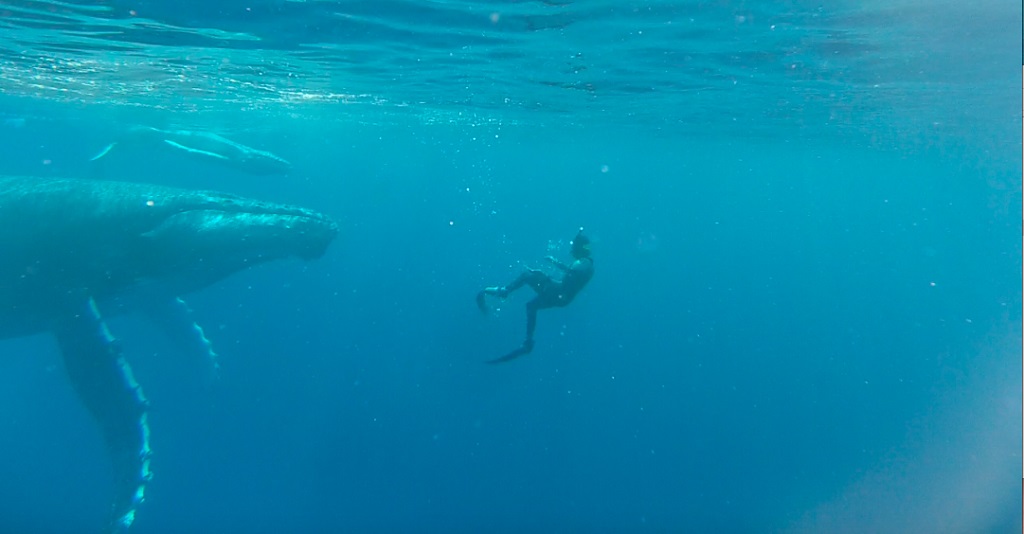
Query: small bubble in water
<point>605,169</point>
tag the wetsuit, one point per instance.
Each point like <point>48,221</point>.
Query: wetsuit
<point>551,293</point>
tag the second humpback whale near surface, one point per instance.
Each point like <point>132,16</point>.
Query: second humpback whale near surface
<point>73,249</point>
<point>204,146</point>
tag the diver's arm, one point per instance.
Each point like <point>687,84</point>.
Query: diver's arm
<point>561,266</point>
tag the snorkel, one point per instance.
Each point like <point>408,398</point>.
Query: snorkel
<point>580,245</point>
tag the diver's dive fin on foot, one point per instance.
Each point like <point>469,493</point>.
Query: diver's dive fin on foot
<point>525,349</point>
<point>481,297</point>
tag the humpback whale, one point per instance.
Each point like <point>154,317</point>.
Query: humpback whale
<point>205,146</point>
<point>74,248</point>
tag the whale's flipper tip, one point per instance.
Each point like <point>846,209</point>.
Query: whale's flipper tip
<point>106,150</point>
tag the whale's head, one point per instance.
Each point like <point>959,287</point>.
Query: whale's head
<point>200,237</point>
<point>68,238</point>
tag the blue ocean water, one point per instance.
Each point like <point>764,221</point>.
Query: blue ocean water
<point>806,313</point>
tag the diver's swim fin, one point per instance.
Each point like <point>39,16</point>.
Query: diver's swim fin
<point>525,349</point>
<point>481,301</point>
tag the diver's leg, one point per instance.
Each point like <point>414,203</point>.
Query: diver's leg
<point>531,319</point>
<point>547,299</point>
<point>533,278</point>
<point>539,303</point>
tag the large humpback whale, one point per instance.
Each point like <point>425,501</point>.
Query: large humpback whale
<point>205,146</point>
<point>74,248</point>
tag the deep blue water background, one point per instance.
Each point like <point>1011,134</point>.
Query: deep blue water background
<point>816,330</point>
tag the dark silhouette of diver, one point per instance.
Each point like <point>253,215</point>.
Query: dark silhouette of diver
<point>550,293</point>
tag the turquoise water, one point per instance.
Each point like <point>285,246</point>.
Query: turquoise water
<point>806,309</point>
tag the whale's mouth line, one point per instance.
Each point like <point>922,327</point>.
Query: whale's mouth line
<point>305,223</point>
<point>251,229</point>
<point>296,213</point>
<point>226,205</point>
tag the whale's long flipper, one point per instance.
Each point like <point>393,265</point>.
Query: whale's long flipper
<point>106,150</point>
<point>175,319</point>
<point>104,383</point>
<point>196,151</point>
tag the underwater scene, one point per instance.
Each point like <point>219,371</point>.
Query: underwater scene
<point>388,266</point>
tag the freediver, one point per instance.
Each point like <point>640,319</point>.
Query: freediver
<point>551,293</point>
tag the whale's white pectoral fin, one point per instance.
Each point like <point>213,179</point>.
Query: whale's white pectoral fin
<point>175,319</point>
<point>195,151</point>
<point>106,150</point>
<point>105,385</point>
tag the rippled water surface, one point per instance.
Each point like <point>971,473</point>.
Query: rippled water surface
<point>762,68</point>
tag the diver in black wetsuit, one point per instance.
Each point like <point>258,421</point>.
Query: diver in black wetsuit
<point>550,293</point>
